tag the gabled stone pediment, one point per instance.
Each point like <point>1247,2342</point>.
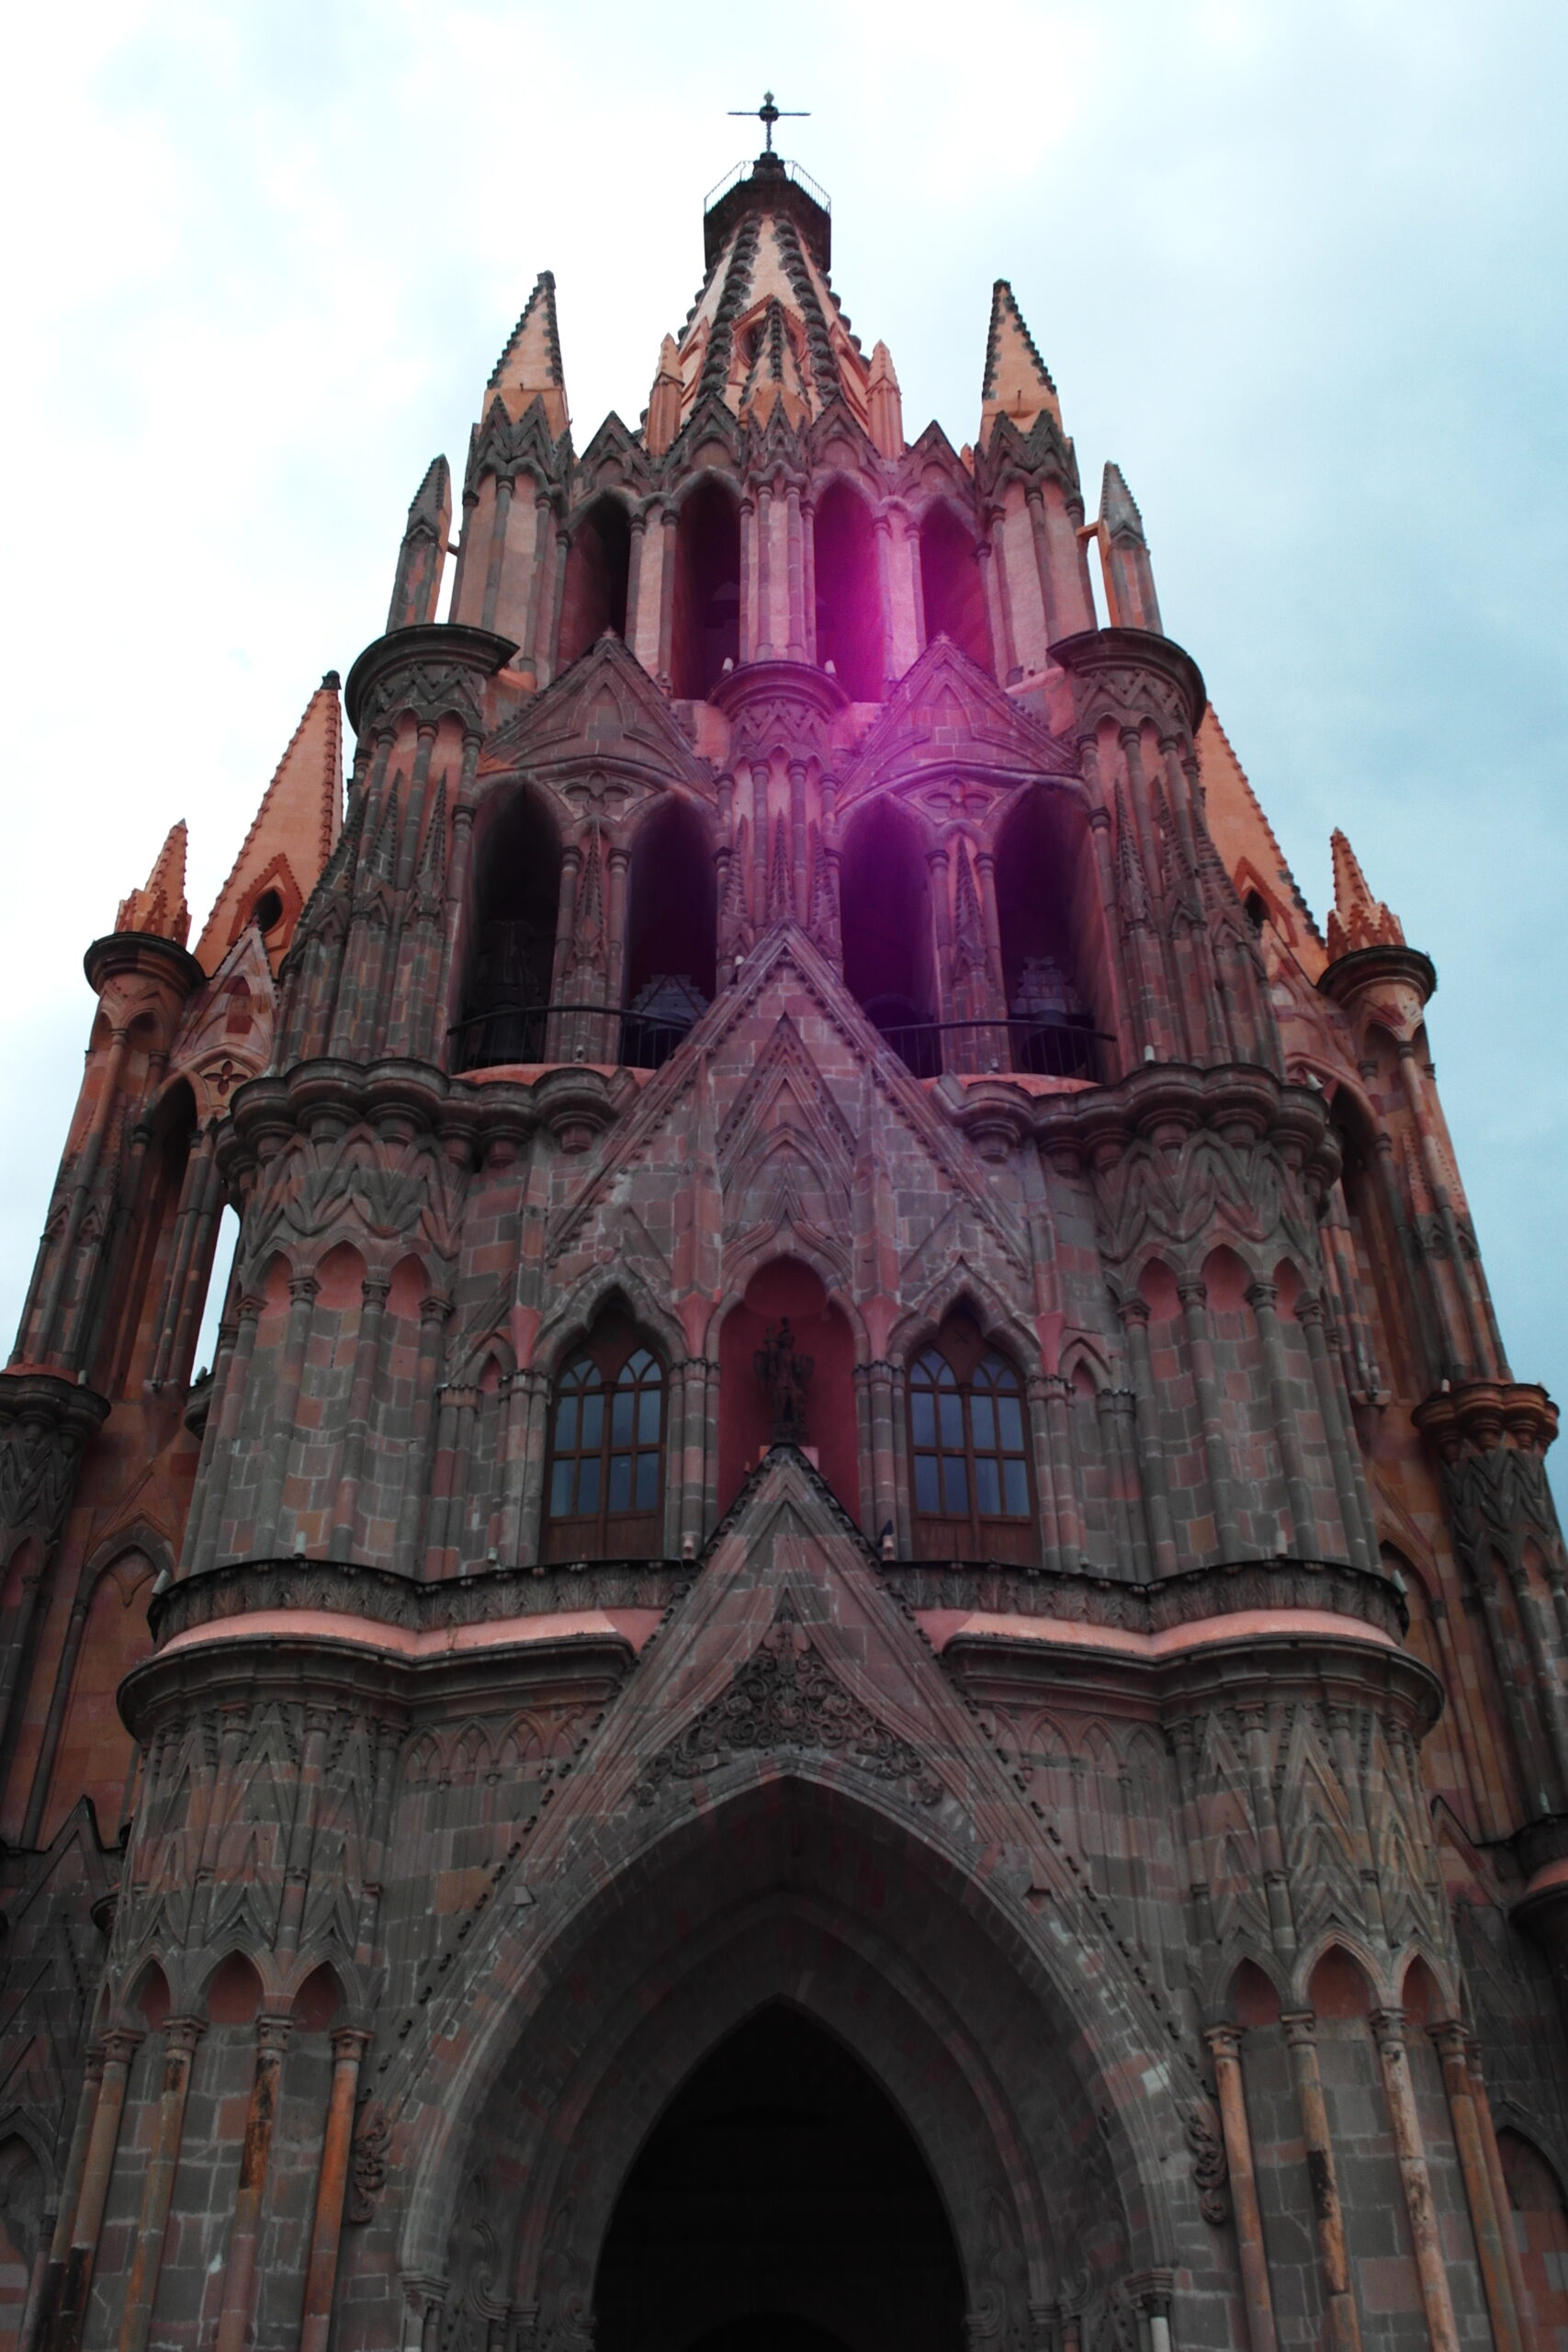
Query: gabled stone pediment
<point>933,450</point>
<point>603,712</point>
<point>212,1049</point>
<point>786,981</point>
<point>614,457</point>
<point>946,714</point>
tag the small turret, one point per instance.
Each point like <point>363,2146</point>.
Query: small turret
<point>1130,599</point>
<point>1018,382</point>
<point>160,910</point>
<point>291,837</point>
<point>423,555</point>
<point>885,405</point>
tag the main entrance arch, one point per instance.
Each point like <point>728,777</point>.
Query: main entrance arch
<point>781,2200</point>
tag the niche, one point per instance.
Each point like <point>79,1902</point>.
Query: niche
<point>96,1757</point>
<point>786,1289</point>
<point>706,631</point>
<point>671,919</point>
<point>512,947</point>
<point>132,1324</point>
<point>849,605</point>
<point>887,933</point>
<point>597,569</point>
<point>950,585</point>
<point>1048,912</point>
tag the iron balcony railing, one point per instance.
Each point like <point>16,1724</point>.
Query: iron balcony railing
<point>597,1033</point>
<point>744,169</point>
<point>976,1048</point>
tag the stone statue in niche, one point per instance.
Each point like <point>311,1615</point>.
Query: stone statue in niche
<point>784,1377</point>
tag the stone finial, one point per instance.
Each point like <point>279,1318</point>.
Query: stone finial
<point>1358,919</point>
<point>161,908</point>
<point>1018,382</point>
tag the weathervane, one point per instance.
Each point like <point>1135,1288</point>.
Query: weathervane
<point>767,114</point>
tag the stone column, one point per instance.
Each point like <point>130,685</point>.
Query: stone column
<point>1194,1298</point>
<point>500,511</point>
<point>764,638</point>
<point>120,2049</point>
<point>189,1229</point>
<point>349,2045</point>
<point>1135,1314</point>
<point>433,1313</point>
<point>667,594</point>
<point>255,2154</point>
<point>884,591</point>
<point>180,2037</point>
<point>281,1413</point>
<point>366,1362</point>
<point>1344,2324</point>
<point>1485,2218</point>
<point>1034,498</point>
<point>1500,2203</point>
<point>1308,1314</point>
<point>879,1379</point>
<point>1388,2032</point>
<point>48,2301</point>
<point>1260,1297</point>
<point>795,642</point>
<point>1225,2044</point>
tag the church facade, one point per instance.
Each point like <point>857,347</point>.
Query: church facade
<point>858,1642</point>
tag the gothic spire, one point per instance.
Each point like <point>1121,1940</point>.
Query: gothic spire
<point>1018,382</point>
<point>530,367</point>
<point>291,836</point>
<point>884,404</point>
<point>161,908</point>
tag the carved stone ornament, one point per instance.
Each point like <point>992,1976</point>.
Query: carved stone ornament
<point>785,1698</point>
<point>367,2163</point>
<point>1210,2171</point>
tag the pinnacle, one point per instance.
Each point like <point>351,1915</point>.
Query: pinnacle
<point>1017,382</point>
<point>1358,919</point>
<point>431,502</point>
<point>1118,508</point>
<point>161,908</point>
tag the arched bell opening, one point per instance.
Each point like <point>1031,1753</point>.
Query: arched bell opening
<point>597,571</point>
<point>705,629</point>
<point>151,1269</point>
<point>671,931</point>
<point>849,600</point>
<point>512,939</point>
<point>950,589</point>
<point>887,926</point>
<point>781,2201</point>
<point>1049,915</point>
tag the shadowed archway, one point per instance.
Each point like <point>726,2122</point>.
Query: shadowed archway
<point>781,2200</point>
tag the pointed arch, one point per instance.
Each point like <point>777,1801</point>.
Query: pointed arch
<point>509,950</point>
<point>850,634</point>
<point>704,623</point>
<point>608,1439</point>
<point>971,1459</point>
<point>671,931</point>
<point>1055,972</point>
<point>952,593</point>
<point>889,961</point>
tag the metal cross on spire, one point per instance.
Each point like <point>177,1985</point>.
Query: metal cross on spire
<point>767,114</point>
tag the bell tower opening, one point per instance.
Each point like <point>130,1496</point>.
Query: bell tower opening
<point>707,620</point>
<point>950,585</point>
<point>848,610</point>
<point>781,2204</point>
<point>597,571</point>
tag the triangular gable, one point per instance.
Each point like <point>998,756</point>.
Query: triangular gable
<point>786,960</point>
<point>942,712</point>
<point>604,709</point>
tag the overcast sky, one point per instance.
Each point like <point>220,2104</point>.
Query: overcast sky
<point>1296,264</point>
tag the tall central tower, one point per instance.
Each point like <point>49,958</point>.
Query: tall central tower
<point>859,1644</point>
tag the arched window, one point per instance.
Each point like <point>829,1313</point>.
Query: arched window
<point>969,1450</point>
<point>605,1483</point>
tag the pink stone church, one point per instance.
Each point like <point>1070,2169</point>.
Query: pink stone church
<point>859,1645</point>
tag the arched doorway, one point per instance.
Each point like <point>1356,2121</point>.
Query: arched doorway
<point>781,2201</point>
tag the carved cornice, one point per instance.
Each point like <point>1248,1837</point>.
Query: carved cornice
<point>379,1597</point>
<point>145,953</point>
<point>1349,977</point>
<point>1130,674</point>
<point>1189,1598</point>
<point>1480,1415</point>
<point>435,670</point>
